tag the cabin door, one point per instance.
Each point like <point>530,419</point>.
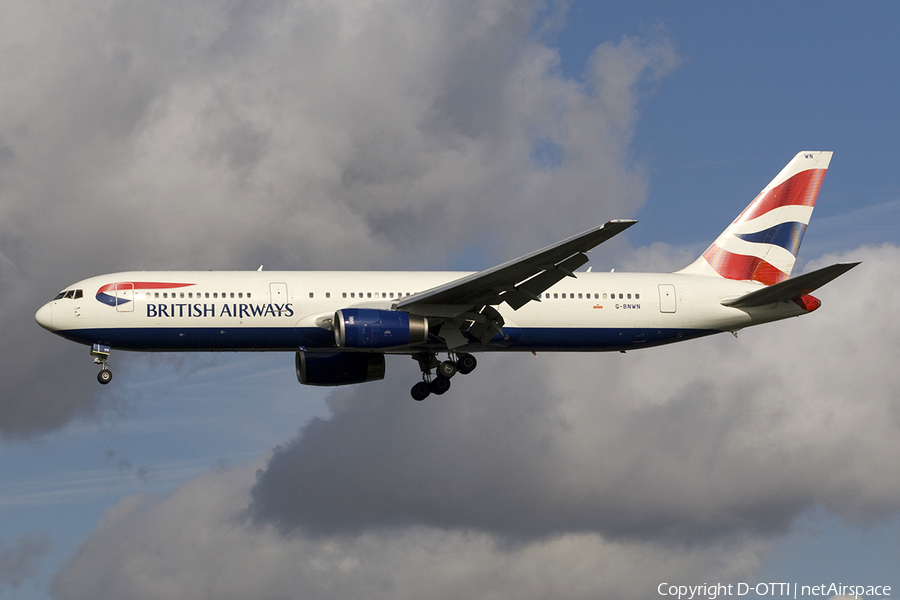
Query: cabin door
<point>667,298</point>
<point>125,297</point>
<point>278,293</point>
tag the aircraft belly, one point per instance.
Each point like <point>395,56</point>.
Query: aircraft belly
<point>203,338</point>
<point>598,339</point>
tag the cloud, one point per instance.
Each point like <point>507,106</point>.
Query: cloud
<point>19,562</point>
<point>193,544</point>
<point>296,134</point>
<point>572,476</point>
<point>693,442</point>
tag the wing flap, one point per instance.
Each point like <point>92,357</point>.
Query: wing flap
<point>790,288</point>
<point>531,289</point>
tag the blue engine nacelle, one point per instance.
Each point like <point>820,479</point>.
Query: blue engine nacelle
<point>338,368</point>
<point>372,328</point>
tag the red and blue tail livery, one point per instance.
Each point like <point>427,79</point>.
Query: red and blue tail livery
<point>340,325</point>
<point>762,243</point>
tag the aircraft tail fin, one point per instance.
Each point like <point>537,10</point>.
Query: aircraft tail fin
<point>762,243</point>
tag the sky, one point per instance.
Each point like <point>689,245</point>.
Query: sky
<point>399,134</point>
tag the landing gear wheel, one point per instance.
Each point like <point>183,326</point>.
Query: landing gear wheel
<point>447,369</point>
<point>420,391</point>
<point>439,385</point>
<point>104,376</point>
<point>466,363</point>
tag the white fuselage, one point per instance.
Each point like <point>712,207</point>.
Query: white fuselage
<point>290,310</point>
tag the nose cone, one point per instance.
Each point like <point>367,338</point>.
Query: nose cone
<point>44,317</point>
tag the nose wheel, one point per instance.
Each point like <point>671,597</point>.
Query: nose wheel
<point>438,381</point>
<point>101,357</point>
<point>105,375</point>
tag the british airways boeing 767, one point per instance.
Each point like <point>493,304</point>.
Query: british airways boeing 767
<point>341,324</point>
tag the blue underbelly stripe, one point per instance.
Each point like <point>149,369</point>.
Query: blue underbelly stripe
<point>288,339</point>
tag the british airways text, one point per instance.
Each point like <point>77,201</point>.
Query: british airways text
<point>226,310</point>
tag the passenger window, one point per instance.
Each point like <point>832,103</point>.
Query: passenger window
<point>328,294</point>
<point>556,296</point>
<point>207,294</point>
<point>248,294</point>
<point>240,294</point>
<point>620,296</point>
<point>353,294</point>
<point>637,296</point>
<point>629,296</point>
<point>368,294</point>
<point>579,296</point>
<point>215,295</point>
<point>392,294</point>
<point>311,295</point>
<point>181,295</point>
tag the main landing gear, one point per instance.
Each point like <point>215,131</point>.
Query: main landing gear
<point>439,382</point>
<point>101,357</point>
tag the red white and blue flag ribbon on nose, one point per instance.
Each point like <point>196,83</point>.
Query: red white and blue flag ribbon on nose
<point>113,294</point>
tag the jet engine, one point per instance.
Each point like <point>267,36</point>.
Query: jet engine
<point>373,328</point>
<point>338,368</point>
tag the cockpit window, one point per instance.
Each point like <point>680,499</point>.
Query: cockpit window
<point>71,294</point>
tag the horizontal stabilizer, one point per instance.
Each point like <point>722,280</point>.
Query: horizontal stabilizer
<point>791,288</point>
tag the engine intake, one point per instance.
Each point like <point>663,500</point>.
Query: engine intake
<point>373,328</point>
<point>338,368</point>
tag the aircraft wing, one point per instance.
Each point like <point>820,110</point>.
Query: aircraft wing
<point>791,288</point>
<point>516,282</point>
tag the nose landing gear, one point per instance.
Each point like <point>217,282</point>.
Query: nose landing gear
<point>439,382</point>
<point>101,357</point>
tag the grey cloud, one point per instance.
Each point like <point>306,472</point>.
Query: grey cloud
<point>192,544</point>
<point>19,562</point>
<point>294,134</point>
<point>692,442</point>
<point>669,464</point>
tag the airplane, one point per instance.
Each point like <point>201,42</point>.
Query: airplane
<point>341,324</point>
